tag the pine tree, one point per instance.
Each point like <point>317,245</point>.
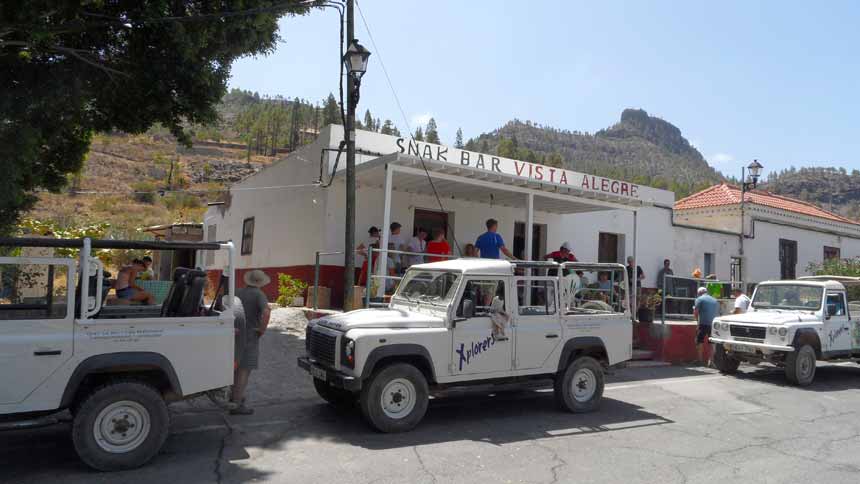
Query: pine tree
<point>387,127</point>
<point>331,111</point>
<point>419,134</point>
<point>458,140</point>
<point>432,134</point>
<point>368,121</point>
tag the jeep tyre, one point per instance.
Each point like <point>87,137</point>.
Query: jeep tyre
<point>120,426</point>
<point>579,388</point>
<point>338,397</point>
<point>800,365</point>
<point>725,363</point>
<point>395,398</point>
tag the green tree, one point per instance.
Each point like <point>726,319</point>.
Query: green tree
<point>387,127</point>
<point>431,133</point>
<point>70,69</point>
<point>506,148</point>
<point>331,111</point>
<point>419,134</point>
<point>458,139</point>
<point>369,124</point>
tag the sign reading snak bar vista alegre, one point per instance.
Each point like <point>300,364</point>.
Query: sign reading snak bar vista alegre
<point>532,171</point>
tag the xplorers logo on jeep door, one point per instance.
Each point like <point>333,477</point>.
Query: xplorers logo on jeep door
<point>474,350</point>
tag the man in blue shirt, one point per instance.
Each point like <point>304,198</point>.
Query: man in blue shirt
<point>489,244</point>
<point>705,309</point>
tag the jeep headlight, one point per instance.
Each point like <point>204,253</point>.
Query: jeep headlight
<point>783,332</point>
<point>772,330</point>
<point>347,355</point>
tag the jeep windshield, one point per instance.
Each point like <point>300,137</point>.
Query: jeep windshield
<point>434,287</point>
<point>788,296</point>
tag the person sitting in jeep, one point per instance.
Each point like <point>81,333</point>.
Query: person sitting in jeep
<point>126,287</point>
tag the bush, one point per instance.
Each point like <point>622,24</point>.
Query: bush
<point>289,288</point>
<point>144,192</point>
<point>175,201</point>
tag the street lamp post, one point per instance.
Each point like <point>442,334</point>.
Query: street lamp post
<point>746,185</point>
<point>355,61</point>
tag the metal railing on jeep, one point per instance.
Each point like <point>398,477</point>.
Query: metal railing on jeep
<point>678,295</point>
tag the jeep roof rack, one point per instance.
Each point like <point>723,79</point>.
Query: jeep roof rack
<point>106,243</point>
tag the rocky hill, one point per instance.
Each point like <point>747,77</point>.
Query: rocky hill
<point>831,188</point>
<point>639,148</point>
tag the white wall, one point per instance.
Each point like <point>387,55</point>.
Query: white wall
<point>690,246</point>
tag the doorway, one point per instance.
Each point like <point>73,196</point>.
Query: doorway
<point>430,220</point>
<point>538,241</point>
<point>610,248</point>
<point>787,259</point>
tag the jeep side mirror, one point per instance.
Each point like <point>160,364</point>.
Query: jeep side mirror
<point>468,308</point>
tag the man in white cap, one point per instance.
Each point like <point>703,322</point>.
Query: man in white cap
<point>256,308</point>
<point>705,309</point>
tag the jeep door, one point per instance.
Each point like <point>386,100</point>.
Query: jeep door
<point>537,323</point>
<point>476,349</point>
<point>837,323</point>
<point>36,322</point>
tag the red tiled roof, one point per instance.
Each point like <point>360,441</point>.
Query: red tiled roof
<point>724,194</point>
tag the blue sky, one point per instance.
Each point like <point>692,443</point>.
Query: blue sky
<point>773,80</point>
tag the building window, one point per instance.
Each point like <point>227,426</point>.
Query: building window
<point>736,269</point>
<point>247,235</point>
<point>831,253</point>
<point>709,264</point>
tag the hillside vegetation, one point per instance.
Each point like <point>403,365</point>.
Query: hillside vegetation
<point>834,188</point>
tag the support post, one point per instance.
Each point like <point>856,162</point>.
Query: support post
<point>634,283</point>
<point>382,258</point>
<point>316,280</point>
<point>530,222</point>
<point>349,132</point>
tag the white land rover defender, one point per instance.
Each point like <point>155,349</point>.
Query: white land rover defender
<point>474,321</point>
<point>790,324</point>
<point>114,367</point>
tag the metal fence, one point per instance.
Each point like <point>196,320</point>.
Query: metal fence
<point>380,287</point>
<point>679,295</point>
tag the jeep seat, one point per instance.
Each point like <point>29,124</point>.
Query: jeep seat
<point>185,297</point>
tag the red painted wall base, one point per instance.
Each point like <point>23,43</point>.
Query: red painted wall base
<point>673,342</point>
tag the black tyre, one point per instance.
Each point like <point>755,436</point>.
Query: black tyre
<point>336,396</point>
<point>725,362</point>
<point>395,398</point>
<point>579,388</point>
<point>120,426</point>
<point>800,366</point>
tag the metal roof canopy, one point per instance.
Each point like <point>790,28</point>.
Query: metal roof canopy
<point>453,181</point>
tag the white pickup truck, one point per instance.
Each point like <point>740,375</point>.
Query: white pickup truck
<point>438,331</point>
<point>791,324</point>
<point>114,367</point>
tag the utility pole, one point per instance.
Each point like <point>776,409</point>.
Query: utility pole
<point>349,131</point>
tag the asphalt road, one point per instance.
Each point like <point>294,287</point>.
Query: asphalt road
<point>667,425</point>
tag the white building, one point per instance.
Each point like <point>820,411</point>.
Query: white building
<point>281,217</point>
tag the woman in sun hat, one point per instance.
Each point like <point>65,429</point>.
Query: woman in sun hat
<point>256,311</point>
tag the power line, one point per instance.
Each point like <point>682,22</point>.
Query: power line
<point>403,114</point>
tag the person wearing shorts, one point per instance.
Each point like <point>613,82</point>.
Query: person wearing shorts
<point>256,314</point>
<point>705,309</point>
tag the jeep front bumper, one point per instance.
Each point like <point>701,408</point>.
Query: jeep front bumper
<point>760,346</point>
<point>334,378</point>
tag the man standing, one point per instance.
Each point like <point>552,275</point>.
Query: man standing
<point>742,301</point>
<point>562,255</point>
<point>396,242</point>
<point>705,309</point>
<point>417,244</point>
<point>662,273</point>
<point>257,313</point>
<point>490,243</point>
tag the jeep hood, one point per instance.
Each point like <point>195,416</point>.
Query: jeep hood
<point>381,318</point>
<point>770,317</point>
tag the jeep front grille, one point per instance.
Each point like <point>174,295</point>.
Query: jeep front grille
<point>322,347</point>
<point>748,333</point>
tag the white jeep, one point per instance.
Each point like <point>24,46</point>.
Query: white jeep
<point>114,367</point>
<point>790,324</point>
<point>474,321</point>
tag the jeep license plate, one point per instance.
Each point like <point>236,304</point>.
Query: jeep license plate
<point>318,373</point>
<point>742,348</point>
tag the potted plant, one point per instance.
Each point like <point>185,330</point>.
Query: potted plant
<point>291,291</point>
<point>648,306</point>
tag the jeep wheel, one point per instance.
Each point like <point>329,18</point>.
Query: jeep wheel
<point>580,388</point>
<point>336,396</point>
<point>800,366</point>
<point>725,362</point>
<point>120,426</point>
<point>395,398</point>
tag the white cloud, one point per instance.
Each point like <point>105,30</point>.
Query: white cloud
<point>721,158</point>
<point>420,119</point>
